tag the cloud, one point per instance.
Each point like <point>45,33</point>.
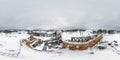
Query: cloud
<point>49,14</point>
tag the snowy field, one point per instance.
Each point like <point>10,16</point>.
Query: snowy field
<point>11,41</point>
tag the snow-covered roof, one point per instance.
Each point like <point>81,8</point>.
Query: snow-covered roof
<point>44,38</point>
<point>40,47</point>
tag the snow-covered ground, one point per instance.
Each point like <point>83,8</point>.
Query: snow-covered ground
<point>11,41</point>
<point>68,35</point>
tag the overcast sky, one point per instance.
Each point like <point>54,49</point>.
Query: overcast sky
<point>49,14</point>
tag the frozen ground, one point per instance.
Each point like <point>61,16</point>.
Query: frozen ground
<point>10,41</point>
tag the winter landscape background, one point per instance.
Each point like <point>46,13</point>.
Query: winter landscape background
<point>20,18</point>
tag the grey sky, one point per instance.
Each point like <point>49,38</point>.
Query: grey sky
<point>49,14</point>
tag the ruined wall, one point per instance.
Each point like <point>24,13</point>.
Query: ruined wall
<point>65,45</point>
<point>27,43</point>
<point>83,46</point>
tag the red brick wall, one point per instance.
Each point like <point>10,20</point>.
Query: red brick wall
<point>83,46</point>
